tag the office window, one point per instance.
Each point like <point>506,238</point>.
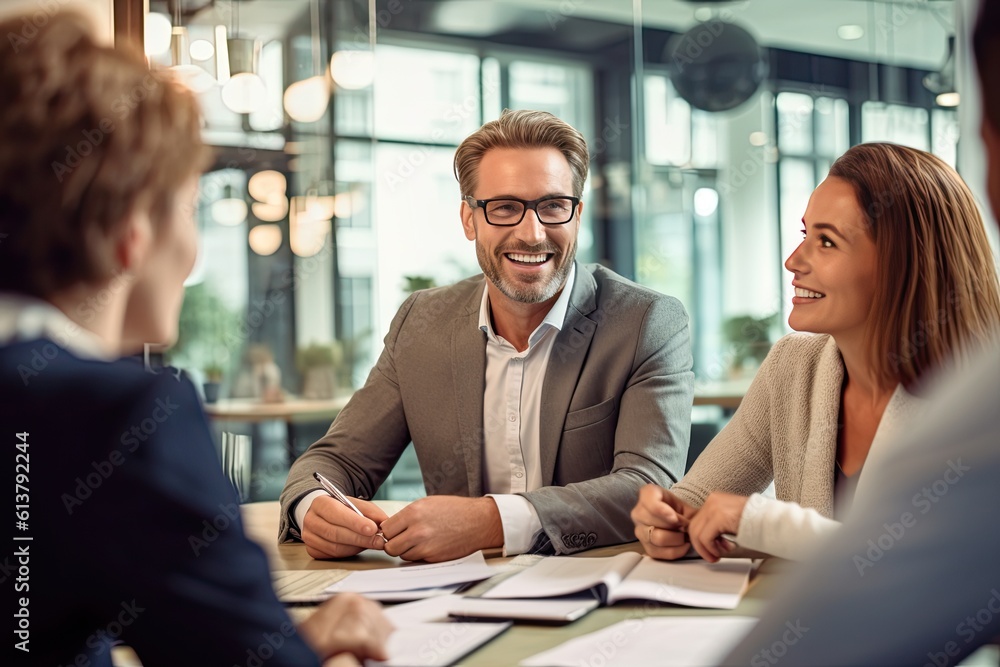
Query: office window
<point>667,123</point>
<point>795,123</point>
<point>812,133</point>
<point>423,95</point>
<point>945,135</point>
<point>896,123</point>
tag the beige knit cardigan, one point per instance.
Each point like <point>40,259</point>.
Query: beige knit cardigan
<point>785,430</point>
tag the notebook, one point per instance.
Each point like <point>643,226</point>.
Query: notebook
<point>631,576</point>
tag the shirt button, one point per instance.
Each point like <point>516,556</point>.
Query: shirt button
<point>519,475</point>
<point>512,417</point>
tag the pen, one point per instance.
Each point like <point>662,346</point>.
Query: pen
<point>339,495</point>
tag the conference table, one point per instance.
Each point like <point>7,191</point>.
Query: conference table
<point>522,639</point>
<point>291,411</point>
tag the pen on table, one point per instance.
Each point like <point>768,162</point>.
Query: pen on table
<point>339,495</point>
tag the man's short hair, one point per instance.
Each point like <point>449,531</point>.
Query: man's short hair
<point>88,136</point>
<point>522,129</point>
<point>986,43</point>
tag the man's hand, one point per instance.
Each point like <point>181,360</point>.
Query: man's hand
<point>720,514</point>
<point>332,530</point>
<point>439,528</point>
<point>661,522</point>
<point>348,624</point>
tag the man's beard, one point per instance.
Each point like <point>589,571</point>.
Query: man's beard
<point>540,288</point>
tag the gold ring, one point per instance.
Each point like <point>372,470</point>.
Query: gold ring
<point>649,535</point>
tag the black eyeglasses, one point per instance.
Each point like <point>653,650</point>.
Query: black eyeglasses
<point>507,212</point>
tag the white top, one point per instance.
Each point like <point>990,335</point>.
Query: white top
<point>786,430</point>
<point>24,318</point>
<point>512,419</point>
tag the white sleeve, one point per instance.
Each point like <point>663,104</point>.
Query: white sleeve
<point>521,524</point>
<point>783,529</point>
<point>301,508</point>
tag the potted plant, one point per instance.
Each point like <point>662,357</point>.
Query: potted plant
<point>414,283</point>
<point>213,378</point>
<point>318,366</point>
<point>750,338</point>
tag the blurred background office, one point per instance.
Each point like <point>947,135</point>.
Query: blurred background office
<point>335,121</point>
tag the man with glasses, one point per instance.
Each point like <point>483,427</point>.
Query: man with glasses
<point>556,389</point>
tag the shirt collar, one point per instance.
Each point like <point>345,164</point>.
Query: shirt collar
<point>553,319</point>
<point>24,318</point>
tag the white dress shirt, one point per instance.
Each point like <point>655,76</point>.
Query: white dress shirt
<point>511,423</point>
<point>24,318</point>
<point>512,420</point>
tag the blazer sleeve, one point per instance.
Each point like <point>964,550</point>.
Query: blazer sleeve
<point>171,551</point>
<point>363,443</point>
<point>650,441</point>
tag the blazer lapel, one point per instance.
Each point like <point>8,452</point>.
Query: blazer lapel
<point>468,352</point>
<point>565,363</point>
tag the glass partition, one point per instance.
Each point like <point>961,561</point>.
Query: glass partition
<point>347,113</point>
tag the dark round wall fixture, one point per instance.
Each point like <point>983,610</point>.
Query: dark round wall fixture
<point>716,66</point>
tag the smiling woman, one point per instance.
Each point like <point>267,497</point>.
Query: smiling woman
<point>896,274</point>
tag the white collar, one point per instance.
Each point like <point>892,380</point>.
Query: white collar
<point>554,318</point>
<point>24,318</point>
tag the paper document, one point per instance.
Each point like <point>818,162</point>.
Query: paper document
<point>430,610</point>
<point>548,610</point>
<point>409,577</point>
<point>436,644</point>
<point>665,641</point>
<point>312,586</point>
<point>632,576</point>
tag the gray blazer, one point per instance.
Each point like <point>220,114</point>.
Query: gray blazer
<point>617,392</point>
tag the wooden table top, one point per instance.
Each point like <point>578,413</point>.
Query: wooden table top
<point>523,639</point>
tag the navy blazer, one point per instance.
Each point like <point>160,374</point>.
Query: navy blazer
<point>135,532</point>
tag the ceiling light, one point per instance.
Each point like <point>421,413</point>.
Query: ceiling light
<point>221,55</point>
<point>850,32</point>
<point>270,212</point>
<point>201,49</point>
<point>265,239</point>
<point>229,210</point>
<point>353,70</point>
<point>156,34</point>
<point>243,93</point>
<point>947,99</point>
<point>703,14</point>
<point>706,201</point>
<point>942,82</point>
<point>267,186</point>
<point>306,101</point>
<point>306,235</point>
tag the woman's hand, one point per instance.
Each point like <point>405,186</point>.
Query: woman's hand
<point>661,522</point>
<point>720,514</point>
